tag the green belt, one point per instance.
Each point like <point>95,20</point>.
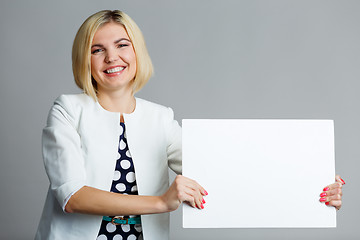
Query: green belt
<point>122,220</point>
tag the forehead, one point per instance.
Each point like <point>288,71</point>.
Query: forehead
<point>109,32</point>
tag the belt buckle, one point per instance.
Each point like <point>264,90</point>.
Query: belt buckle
<point>121,218</point>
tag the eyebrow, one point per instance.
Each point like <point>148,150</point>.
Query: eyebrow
<point>115,42</point>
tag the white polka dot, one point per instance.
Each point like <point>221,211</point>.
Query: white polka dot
<point>125,164</point>
<point>134,188</point>
<point>130,177</point>
<point>110,227</point>
<point>121,130</point>
<point>138,227</point>
<point>118,156</point>
<point>117,175</point>
<point>120,187</point>
<point>122,145</point>
<point>125,227</point>
<point>117,237</point>
<point>128,153</point>
<point>131,237</point>
<point>101,237</point>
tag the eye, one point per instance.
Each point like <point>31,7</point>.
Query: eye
<point>123,45</point>
<point>95,51</point>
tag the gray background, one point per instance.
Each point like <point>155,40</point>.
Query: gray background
<point>213,59</point>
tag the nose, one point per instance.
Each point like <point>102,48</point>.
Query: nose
<point>111,56</point>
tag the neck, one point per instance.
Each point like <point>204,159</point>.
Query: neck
<point>123,102</point>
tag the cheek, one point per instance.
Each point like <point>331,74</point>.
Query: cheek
<point>130,58</point>
<point>94,68</point>
<point>134,64</point>
<point>93,64</point>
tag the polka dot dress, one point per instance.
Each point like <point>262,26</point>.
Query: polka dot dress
<point>123,182</point>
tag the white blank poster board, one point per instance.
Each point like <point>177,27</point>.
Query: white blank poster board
<point>259,173</point>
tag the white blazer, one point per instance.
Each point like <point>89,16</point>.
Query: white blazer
<point>80,143</point>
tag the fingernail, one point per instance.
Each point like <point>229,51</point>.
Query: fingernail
<point>203,201</point>
<point>322,199</point>
<point>323,194</point>
<point>342,181</point>
<point>206,193</point>
<point>327,203</point>
<point>326,189</point>
<point>202,206</point>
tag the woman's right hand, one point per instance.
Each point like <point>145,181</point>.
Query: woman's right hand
<point>184,189</point>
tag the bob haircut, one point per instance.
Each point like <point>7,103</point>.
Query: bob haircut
<point>81,51</point>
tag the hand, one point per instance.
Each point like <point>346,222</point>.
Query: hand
<point>332,194</point>
<point>186,190</point>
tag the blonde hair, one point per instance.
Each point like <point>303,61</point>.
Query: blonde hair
<point>81,51</point>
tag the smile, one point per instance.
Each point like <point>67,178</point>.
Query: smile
<point>114,70</point>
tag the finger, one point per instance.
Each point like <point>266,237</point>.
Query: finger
<point>334,197</point>
<point>199,188</point>
<point>189,186</point>
<point>183,197</point>
<point>328,198</point>
<point>192,189</point>
<point>195,185</point>
<point>335,188</point>
<point>198,199</point>
<point>339,179</point>
<point>181,180</point>
<point>334,191</point>
<point>193,206</point>
<point>334,203</point>
<point>193,202</point>
<point>332,186</point>
<point>331,193</point>
<point>187,192</point>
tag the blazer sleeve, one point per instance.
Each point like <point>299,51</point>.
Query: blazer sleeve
<point>62,154</point>
<point>174,146</point>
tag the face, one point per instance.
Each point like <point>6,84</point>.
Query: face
<point>113,60</point>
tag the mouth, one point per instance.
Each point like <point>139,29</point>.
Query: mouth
<point>114,70</point>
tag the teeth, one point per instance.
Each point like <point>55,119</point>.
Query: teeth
<point>113,70</point>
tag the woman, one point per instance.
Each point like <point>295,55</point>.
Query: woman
<point>106,139</point>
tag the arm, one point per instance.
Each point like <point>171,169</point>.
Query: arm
<point>188,190</point>
<point>64,164</point>
<point>174,142</point>
<point>90,200</point>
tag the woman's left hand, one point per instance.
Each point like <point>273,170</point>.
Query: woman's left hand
<point>332,194</point>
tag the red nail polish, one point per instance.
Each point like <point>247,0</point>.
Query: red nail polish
<point>323,194</point>
<point>202,206</point>
<point>322,199</point>
<point>342,181</point>
<point>206,193</point>
<point>326,189</point>
<point>327,203</point>
<point>203,201</point>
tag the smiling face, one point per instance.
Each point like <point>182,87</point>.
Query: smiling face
<point>113,59</point>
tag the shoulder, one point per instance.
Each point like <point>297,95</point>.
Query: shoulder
<point>71,106</point>
<point>154,109</point>
<point>73,100</point>
<point>145,104</point>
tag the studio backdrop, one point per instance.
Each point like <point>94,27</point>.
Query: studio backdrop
<point>229,59</point>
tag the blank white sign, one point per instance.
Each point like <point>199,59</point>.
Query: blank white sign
<point>259,173</point>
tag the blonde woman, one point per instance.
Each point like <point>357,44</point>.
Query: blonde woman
<point>107,153</point>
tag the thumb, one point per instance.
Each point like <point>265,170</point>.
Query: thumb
<point>339,179</point>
